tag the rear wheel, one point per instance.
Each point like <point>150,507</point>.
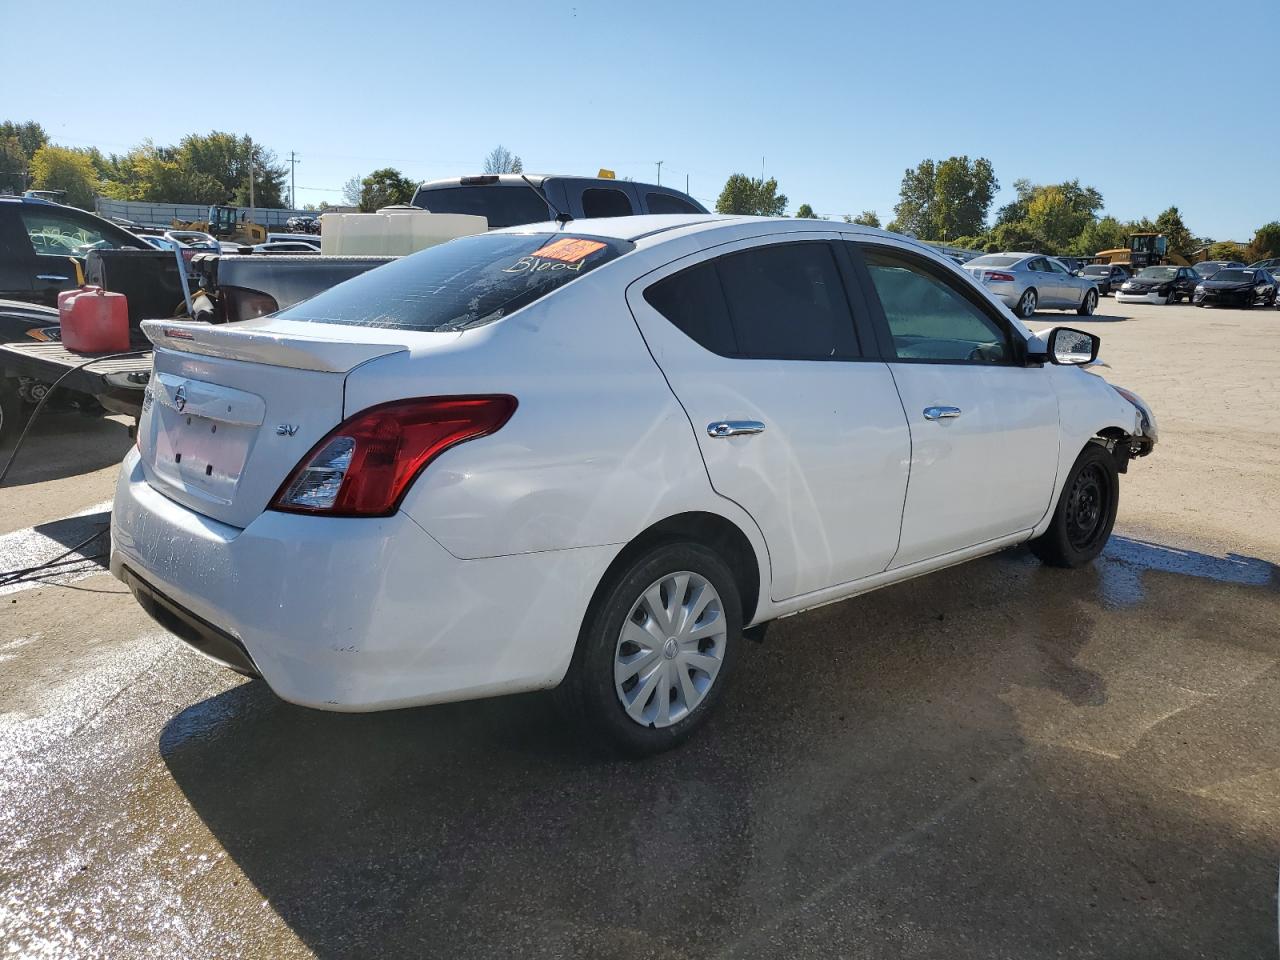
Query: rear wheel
<point>656,650</point>
<point>1027,305</point>
<point>1088,304</point>
<point>1085,513</point>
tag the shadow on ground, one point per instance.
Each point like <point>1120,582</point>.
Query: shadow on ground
<point>937,769</point>
<point>66,444</point>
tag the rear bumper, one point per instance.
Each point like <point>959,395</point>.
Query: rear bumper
<point>351,614</point>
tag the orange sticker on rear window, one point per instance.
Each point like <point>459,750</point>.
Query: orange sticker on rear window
<point>569,250</point>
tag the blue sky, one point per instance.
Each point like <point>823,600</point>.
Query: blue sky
<point>837,98</point>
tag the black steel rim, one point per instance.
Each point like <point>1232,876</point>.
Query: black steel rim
<point>1087,507</point>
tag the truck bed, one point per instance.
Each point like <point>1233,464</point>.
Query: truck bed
<point>118,384</point>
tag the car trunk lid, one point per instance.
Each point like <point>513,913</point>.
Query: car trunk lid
<point>230,410</point>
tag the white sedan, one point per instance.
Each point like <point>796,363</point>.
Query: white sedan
<point>589,456</point>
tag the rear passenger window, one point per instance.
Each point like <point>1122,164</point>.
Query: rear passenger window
<point>928,318</point>
<point>666,203</point>
<point>605,202</point>
<point>692,300</point>
<point>784,302</point>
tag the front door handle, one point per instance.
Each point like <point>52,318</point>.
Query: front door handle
<point>52,277</point>
<point>941,413</point>
<point>734,428</point>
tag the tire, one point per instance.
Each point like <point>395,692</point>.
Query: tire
<point>624,629</point>
<point>13,412</point>
<point>1085,512</point>
<point>1171,298</point>
<point>1027,304</point>
<point>1088,304</point>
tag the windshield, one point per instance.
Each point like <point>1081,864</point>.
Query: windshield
<point>993,260</point>
<point>1233,276</point>
<point>461,284</point>
<point>504,206</point>
<point>1096,271</point>
<point>1207,269</point>
<point>1157,273</point>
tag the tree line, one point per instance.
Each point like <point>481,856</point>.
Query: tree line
<point>949,201</point>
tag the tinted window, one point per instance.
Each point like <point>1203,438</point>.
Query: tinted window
<point>1056,267</point>
<point>1234,276</point>
<point>693,301</point>
<point>505,206</point>
<point>606,202</point>
<point>666,203</point>
<point>460,284</point>
<point>929,318</point>
<point>994,260</point>
<point>54,231</point>
<point>1096,271</point>
<point>784,302</point>
<point>788,302</point>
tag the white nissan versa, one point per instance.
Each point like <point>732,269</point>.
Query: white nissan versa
<point>587,456</point>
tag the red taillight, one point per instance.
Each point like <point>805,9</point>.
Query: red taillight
<point>365,465</point>
<point>998,275</point>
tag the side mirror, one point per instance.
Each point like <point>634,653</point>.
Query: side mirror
<point>1077,273</point>
<point>1072,347</point>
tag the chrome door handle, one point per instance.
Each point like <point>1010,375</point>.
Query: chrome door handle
<point>734,428</point>
<point>941,413</point>
<point>52,277</point>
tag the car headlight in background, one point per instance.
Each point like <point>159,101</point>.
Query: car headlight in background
<point>1199,288</point>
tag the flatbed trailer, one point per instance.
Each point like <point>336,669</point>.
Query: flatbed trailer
<point>118,383</point>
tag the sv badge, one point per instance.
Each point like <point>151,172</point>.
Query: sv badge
<point>286,429</point>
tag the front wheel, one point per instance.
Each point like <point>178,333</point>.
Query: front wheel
<point>1085,513</point>
<point>1027,305</point>
<point>656,650</point>
<point>1089,304</point>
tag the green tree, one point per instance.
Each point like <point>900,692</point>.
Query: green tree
<point>226,158</point>
<point>805,212</point>
<point>18,144</point>
<point>384,188</point>
<point>502,160</point>
<point>1228,250</point>
<point>29,134</point>
<point>1107,233</point>
<point>1266,242</point>
<point>866,218</point>
<point>1014,236</point>
<point>1178,237</point>
<point>752,197</point>
<point>64,168</point>
<point>942,199</point>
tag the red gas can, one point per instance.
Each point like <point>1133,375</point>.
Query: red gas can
<point>94,321</point>
<point>68,294</point>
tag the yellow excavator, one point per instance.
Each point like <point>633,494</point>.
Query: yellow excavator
<point>226,223</point>
<point>1143,250</point>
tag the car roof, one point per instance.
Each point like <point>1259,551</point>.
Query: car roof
<point>518,180</point>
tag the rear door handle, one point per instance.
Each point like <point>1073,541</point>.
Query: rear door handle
<point>941,413</point>
<point>734,428</point>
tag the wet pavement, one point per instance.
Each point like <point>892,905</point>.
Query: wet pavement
<point>999,760</point>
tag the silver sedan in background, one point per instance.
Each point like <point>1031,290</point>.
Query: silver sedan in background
<point>1030,281</point>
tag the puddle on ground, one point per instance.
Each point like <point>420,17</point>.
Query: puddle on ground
<point>1121,566</point>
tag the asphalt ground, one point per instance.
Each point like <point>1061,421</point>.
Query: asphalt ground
<point>999,760</point>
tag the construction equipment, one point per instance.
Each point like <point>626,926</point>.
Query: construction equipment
<point>226,223</point>
<point>1142,250</point>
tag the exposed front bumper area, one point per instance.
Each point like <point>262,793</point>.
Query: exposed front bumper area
<point>1218,298</point>
<point>351,614</point>
<point>1125,296</point>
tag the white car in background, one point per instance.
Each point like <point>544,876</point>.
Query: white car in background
<point>589,456</point>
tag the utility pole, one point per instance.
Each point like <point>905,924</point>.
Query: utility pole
<point>686,183</point>
<point>251,216</point>
<point>659,163</point>
<point>293,179</point>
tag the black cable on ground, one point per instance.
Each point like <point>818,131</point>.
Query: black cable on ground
<point>12,576</point>
<point>48,393</point>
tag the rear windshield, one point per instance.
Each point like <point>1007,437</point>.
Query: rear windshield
<point>1096,271</point>
<point>460,284</point>
<point>505,206</point>
<point>993,261</point>
<point>1235,276</point>
<point>1157,273</point>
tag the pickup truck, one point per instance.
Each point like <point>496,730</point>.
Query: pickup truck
<point>210,287</point>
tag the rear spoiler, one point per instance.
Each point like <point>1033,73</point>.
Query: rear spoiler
<point>275,347</point>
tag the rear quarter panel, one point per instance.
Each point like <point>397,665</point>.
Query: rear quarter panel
<point>597,450</point>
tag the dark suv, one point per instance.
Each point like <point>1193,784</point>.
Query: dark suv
<point>43,246</point>
<point>508,201</point>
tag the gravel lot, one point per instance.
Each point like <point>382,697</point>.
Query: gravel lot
<point>994,761</point>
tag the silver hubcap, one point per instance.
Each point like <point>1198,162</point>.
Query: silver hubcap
<point>1090,302</point>
<point>1028,303</point>
<point>670,649</point>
